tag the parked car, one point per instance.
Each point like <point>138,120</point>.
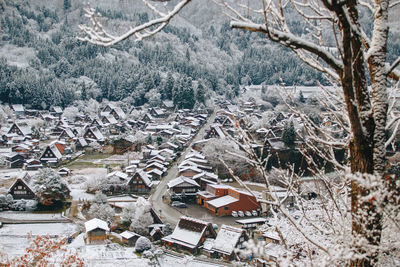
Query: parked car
<point>234,214</point>
<point>175,197</point>
<point>240,213</point>
<point>178,204</point>
<point>248,213</point>
<point>254,212</point>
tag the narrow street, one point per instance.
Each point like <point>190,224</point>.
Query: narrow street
<point>165,211</point>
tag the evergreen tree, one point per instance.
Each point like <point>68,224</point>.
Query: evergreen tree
<point>289,134</point>
<point>188,95</point>
<point>201,93</point>
<point>83,92</point>
<point>169,86</point>
<point>67,4</point>
<point>301,97</point>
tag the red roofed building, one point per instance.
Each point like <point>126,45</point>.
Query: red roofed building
<point>222,200</point>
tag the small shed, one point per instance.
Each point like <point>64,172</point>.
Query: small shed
<point>129,238</point>
<point>96,231</point>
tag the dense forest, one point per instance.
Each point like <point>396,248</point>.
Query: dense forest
<point>184,63</point>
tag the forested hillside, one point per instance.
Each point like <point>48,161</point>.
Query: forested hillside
<point>43,64</point>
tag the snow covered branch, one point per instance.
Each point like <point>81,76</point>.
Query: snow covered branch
<point>291,41</point>
<point>96,34</point>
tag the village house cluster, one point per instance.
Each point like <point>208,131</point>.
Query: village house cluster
<point>152,141</point>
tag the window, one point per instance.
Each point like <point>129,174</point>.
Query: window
<point>226,208</point>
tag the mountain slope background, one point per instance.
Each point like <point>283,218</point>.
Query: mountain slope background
<point>43,64</point>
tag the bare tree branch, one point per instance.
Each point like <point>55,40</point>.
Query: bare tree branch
<point>96,34</point>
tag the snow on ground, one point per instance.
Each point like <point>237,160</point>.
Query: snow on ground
<point>5,150</point>
<point>107,254</point>
<point>52,229</point>
<point>256,184</point>
<point>167,260</point>
<point>91,172</point>
<point>80,194</point>
<point>12,173</point>
<point>13,237</point>
<point>30,216</point>
<point>121,198</point>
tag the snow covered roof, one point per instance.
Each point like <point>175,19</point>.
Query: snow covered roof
<point>144,176</point>
<point>119,112</point>
<point>82,141</point>
<point>18,108</point>
<point>128,234</point>
<point>222,201</point>
<point>118,174</point>
<point>111,119</point>
<point>156,171</point>
<point>168,103</point>
<point>96,132</point>
<point>195,154</point>
<point>271,235</point>
<point>227,239</point>
<point>22,180</point>
<point>183,182</point>
<point>57,109</point>
<point>192,168</point>
<point>96,223</point>
<point>251,220</point>
<point>188,232</point>
<point>206,175</point>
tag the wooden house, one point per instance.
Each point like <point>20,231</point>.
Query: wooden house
<point>129,238</point>
<point>67,135</point>
<point>156,234</point>
<point>124,144</point>
<point>60,145</point>
<point>206,178</point>
<point>97,122</point>
<point>22,149</point>
<point>183,186</point>
<point>229,239</point>
<point>215,131</point>
<point>117,113</point>
<point>157,112</point>
<point>109,120</point>
<point>14,160</point>
<point>93,134</point>
<point>21,130</point>
<point>81,143</point>
<point>148,118</point>
<point>56,111</point>
<point>18,109</point>
<point>139,183</point>
<point>32,165</point>
<point>51,155</point>
<point>168,105</point>
<point>96,231</point>
<point>190,234</point>
<point>20,189</point>
<point>189,171</point>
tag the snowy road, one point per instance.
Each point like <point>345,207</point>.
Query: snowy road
<point>165,211</point>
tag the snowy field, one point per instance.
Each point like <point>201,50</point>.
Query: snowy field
<point>107,255</point>
<point>30,216</point>
<point>168,260</point>
<point>80,194</point>
<point>13,237</point>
